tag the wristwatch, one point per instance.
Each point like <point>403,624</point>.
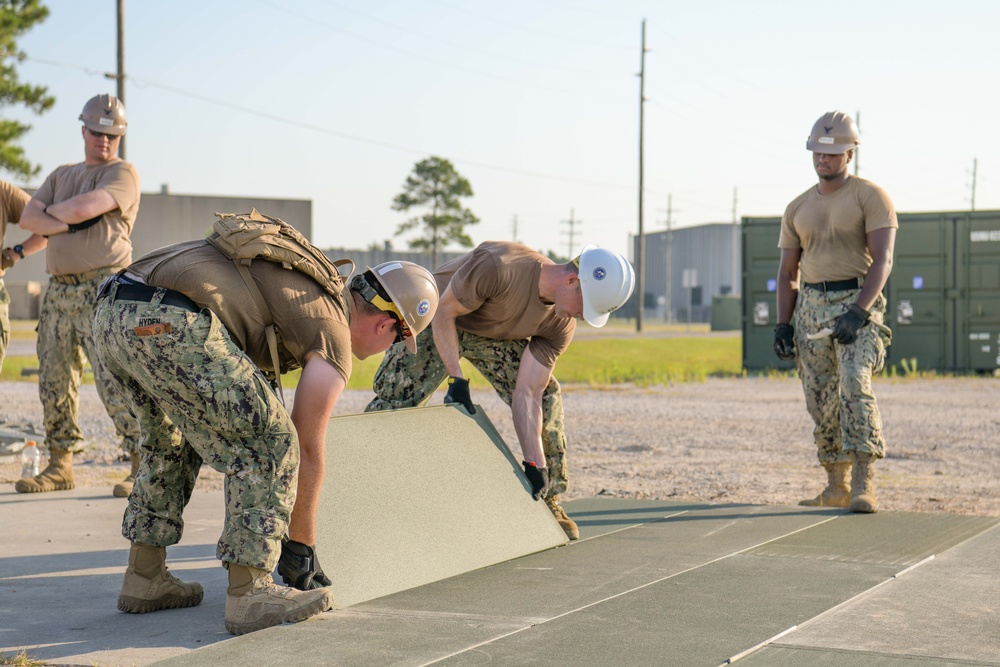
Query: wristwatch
<point>19,249</point>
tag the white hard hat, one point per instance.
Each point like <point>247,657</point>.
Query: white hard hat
<point>606,280</point>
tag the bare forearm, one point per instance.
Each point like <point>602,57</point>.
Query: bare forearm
<point>446,342</point>
<point>312,469</point>
<point>878,274</point>
<point>526,411</point>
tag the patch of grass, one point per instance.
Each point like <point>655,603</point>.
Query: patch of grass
<point>649,361</point>
<point>13,367</point>
<point>21,659</point>
<point>588,361</point>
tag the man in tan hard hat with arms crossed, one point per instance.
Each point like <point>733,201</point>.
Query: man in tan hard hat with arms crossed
<point>181,333</point>
<point>83,216</point>
<point>836,255</point>
<point>511,312</point>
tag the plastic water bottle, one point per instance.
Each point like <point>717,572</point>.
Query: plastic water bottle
<point>30,458</point>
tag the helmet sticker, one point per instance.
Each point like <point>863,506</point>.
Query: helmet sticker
<point>423,307</point>
<point>600,273</point>
<point>825,140</point>
<point>105,121</point>
<point>389,267</point>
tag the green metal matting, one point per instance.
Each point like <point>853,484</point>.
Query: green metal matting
<point>665,583</point>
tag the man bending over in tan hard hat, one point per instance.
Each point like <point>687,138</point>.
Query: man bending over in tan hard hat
<point>180,331</point>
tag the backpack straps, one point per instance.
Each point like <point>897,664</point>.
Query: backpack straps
<point>272,339</point>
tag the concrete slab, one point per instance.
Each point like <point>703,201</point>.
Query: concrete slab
<point>418,495</point>
<point>61,565</point>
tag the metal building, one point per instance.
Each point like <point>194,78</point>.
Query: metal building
<point>163,219</point>
<point>685,269</point>
<point>372,257</point>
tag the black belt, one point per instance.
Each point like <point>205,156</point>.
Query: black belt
<point>835,285</point>
<point>138,292</point>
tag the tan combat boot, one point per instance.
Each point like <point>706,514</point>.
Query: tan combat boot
<point>255,602</point>
<point>837,492</point>
<point>148,586</point>
<point>566,523</point>
<point>863,483</point>
<point>57,476</point>
<point>123,489</point>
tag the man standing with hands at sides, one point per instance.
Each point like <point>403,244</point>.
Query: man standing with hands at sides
<point>12,202</point>
<point>83,216</point>
<point>511,312</point>
<point>837,242</point>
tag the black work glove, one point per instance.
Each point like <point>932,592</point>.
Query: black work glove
<point>538,477</point>
<point>80,226</point>
<point>784,345</point>
<point>847,326</point>
<point>458,392</point>
<point>299,567</point>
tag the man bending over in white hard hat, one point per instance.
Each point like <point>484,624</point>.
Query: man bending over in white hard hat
<point>511,312</point>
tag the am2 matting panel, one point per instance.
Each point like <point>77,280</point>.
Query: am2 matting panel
<point>417,495</point>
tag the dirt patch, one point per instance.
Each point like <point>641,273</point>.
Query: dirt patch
<point>743,440</point>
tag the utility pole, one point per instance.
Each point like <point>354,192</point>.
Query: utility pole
<point>857,124</point>
<point>120,76</point>
<point>735,253</point>
<point>572,222</point>
<point>975,165</point>
<point>668,255</point>
<point>513,230</point>
<point>640,260</point>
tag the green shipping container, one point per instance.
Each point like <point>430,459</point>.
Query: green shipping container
<point>726,315</point>
<point>943,295</point>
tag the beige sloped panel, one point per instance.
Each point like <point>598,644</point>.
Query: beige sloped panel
<point>418,495</point>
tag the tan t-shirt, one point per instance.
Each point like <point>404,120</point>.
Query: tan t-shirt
<point>12,202</point>
<point>499,282</point>
<point>832,229</point>
<point>306,318</point>
<point>107,243</point>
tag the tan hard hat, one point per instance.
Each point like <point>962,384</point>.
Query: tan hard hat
<point>606,281</point>
<point>414,296</point>
<point>105,114</point>
<point>833,134</point>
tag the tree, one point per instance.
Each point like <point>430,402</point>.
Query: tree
<point>435,184</point>
<point>16,18</point>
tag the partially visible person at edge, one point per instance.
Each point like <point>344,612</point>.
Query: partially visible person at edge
<point>836,254</point>
<point>181,333</point>
<point>12,202</point>
<point>511,312</point>
<point>82,216</point>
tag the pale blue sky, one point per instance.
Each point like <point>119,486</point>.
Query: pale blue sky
<point>535,101</point>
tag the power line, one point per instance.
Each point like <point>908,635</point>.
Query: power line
<point>332,132</point>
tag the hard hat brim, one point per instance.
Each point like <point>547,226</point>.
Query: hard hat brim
<point>594,318</point>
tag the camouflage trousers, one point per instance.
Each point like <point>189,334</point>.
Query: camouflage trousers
<point>4,321</point>
<point>65,344</point>
<point>198,398</point>
<point>405,380</point>
<point>837,379</point>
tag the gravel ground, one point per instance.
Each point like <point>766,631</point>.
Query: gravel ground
<point>722,441</point>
